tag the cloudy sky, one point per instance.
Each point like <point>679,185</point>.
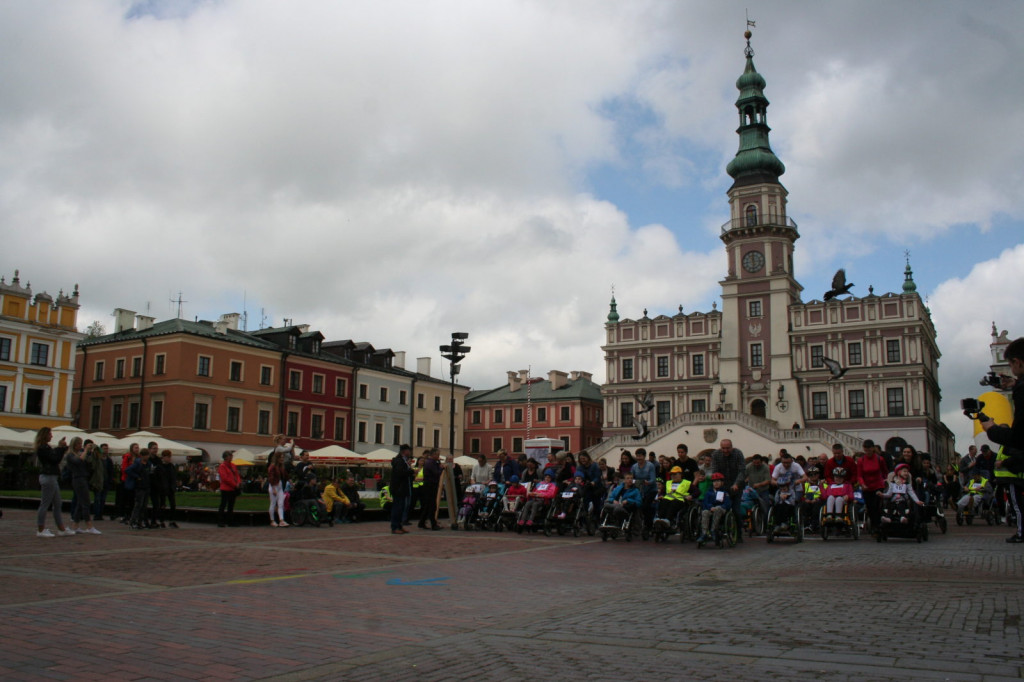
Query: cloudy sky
<point>395,171</point>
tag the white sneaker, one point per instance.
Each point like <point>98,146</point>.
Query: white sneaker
<point>45,533</point>
<point>67,531</point>
<point>93,531</point>
<point>282,525</point>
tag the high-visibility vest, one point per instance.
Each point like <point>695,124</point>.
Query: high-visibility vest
<point>1003,472</point>
<point>418,481</point>
<point>677,491</point>
<point>812,495</point>
<point>977,487</point>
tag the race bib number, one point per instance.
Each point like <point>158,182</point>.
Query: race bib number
<point>813,489</point>
<point>719,496</point>
<point>567,495</point>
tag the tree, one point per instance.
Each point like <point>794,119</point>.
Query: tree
<point>95,329</point>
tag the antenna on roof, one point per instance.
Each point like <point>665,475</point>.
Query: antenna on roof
<point>179,301</point>
<point>245,314</point>
<point>263,318</point>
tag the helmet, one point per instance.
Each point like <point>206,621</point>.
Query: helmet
<point>839,471</point>
<point>901,467</point>
<point>813,470</point>
<point>717,477</point>
<point>513,479</point>
<point>676,470</point>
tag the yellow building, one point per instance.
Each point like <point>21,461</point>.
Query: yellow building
<point>38,336</point>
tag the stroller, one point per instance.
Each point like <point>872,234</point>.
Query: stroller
<point>469,512</point>
<point>569,515</point>
<point>491,508</point>
<point>900,519</point>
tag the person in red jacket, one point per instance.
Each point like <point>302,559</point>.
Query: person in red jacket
<point>230,484</point>
<point>871,473</point>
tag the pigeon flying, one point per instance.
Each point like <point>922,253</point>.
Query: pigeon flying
<point>839,285</point>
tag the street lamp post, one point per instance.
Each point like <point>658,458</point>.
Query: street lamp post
<point>454,354</point>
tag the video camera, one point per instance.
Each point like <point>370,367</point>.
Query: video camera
<point>991,379</point>
<point>972,408</point>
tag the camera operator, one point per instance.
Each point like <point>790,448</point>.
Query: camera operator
<point>1011,455</point>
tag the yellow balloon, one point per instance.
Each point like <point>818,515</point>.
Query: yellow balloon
<point>997,407</point>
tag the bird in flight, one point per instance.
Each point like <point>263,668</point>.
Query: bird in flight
<point>839,285</point>
<point>834,368</point>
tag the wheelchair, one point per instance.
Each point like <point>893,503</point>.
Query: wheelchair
<point>915,529</point>
<point>727,535</point>
<point>630,524</point>
<point>794,528</point>
<point>846,524</point>
<point>754,521</point>
<point>309,512</point>
<point>685,522</point>
<point>984,507</point>
<point>577,520</point>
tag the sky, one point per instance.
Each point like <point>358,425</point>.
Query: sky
<point>396,171</point>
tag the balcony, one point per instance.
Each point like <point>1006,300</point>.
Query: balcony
<point>760,221</point>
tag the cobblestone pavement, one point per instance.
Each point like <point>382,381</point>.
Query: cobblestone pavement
<point>357,603</point>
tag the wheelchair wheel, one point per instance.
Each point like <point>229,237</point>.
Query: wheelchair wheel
<point>855,523</point>
<point>969,518</point>
<point>770,525</point>
<point>314,515</point>
<point>798,519</point>
<point>300,513</point>
<point>990,516</point>
<point>731,530</point>
<point>604,536</point>
<point>959,518</point>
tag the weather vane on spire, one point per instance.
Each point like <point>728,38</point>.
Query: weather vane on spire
<point>749,51</point>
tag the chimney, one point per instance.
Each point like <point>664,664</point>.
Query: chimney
<point>557,379</point>
<point>423,366</point>
<point>524,375</point>
<point>220,326</point>
<point>585,376</point>
<point>399,360</point>
<point>124,320</point>
<point>230,320</point>
<point>303,328</point>
<point>144,322</point>
<point>574,375</point>
<point>514,383</point>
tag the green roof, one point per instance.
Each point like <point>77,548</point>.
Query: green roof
<point>538,391</point>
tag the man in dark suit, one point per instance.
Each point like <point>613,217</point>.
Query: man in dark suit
<point>401,487</point>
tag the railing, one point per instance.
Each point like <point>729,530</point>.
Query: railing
<point>759,425</point>
<point>771,221</point>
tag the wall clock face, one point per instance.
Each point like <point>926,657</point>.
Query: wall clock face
<point>753,261</point>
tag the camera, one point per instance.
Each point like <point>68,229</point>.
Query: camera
<point>972,408</point>
<point>991,379</point>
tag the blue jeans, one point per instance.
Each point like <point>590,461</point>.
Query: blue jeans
<point>398,512</point>
<point>99,504</point>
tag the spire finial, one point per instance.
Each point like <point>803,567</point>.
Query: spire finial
<point>613,313</point>
<point>749,51</point>
<point>909,286</point>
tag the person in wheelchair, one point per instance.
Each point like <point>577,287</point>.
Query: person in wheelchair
<point>715,504</point>
<point>572,495</point>
<point>900,501</point>
<point>539,499</point>
<point>838,494</point>
<point>789,478</point>
<point>977,494</point>
<point>675,499</point>
<point>813,496</point>
<point>622,501</point>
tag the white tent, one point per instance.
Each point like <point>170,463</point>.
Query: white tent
<point>336,455</point>
<point>68,432</point>
<point>143,438</point>
<point>16,441</point>
<point>380,457</point>
<point>464,461</point>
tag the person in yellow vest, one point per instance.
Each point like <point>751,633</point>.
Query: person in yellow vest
<point>335,500</point>
<point>677,496</point>
<point>1013,484</point>
<point>385,498</point>
<point>417,490</point>
<point>977,491</point>
<point>813,497</point>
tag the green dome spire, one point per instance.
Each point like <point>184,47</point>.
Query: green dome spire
<point>754,161</point>
<point>909,287</point>
<point>613,314</point>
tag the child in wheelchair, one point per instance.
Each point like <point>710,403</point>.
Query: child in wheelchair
<point>837,496</point>
<point>899,501</point>
<point>674,500</point>
<point>472,501</point>
<point>539,499</point>
<point>622,502</point>
<point>977,495</point>
<point>813,497</point>
<point>715,504</point>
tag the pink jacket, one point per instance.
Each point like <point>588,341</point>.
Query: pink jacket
<point>839,490</point>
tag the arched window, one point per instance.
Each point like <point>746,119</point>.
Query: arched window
<point>751,215</point>
<point>758,408</point>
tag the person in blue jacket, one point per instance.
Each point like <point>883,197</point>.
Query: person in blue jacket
<point>715,504</point>
<point>623,499</point>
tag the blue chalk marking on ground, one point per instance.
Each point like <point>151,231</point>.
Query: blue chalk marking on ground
<point>425,581</point>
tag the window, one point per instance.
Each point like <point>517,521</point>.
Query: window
<point>119,368</point>
<point>496,445</point>
<point>403,399</point>
<point>819,405</point>
<point>266,375</point>
<point>542,414</point>
<point>317,425</point>
<point>263,422</point>
<point>419,437</point>
<point>437,403</point>
<point>234,419</point>
<point>517,415</point>
<point>892,350</point>
<point>295,380</point>
<point>340,388</point>
<point>339,428</point>
<point>292,425</point>
<point>201,416</point>
<point>159,363</point>
<point>565,413</point>
<point>419,401</point>
<point>474,446</point>
<point>627,368</point>
<point>204,366</point>
<point>499,416</point>
<point>699,405</point>
<point>361,432</point>
<point>383,395</point>
<point>565,442</point>
<point>476,417</point>
<point>5,349</point>
<point>318,383</point>
<point>751,214</point>
<point>627,414</point>
<point>853,353</point>
<point>94,411</point>
<point>34,398</point>
<point>98,371</point>
<point>754,309</point>
<point>698,365</point>
<point>115,415</point>
<point>857,408</point>
<point>894,402</point>
<point>436,440</point>
<point>517,445</point>
<point>396,434</point>
<point>137,367</point>
<point>756,355</point>
<point>817,353</point>
<point>133,415</point>
<point>235,371</point>
<point>664,409</point>
<point>157,417</point>
<point>364,391</point>
<point>378,433</point>
<point>40,354</point>
<point>662,366</point>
